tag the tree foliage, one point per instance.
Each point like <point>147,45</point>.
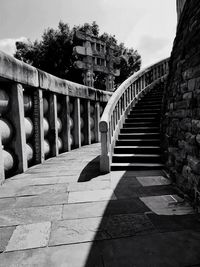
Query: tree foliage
<point>54,53</point>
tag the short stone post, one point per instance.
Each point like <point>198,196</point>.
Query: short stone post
<point>105,157</point>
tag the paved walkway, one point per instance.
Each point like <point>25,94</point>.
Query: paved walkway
<point>64,213</point>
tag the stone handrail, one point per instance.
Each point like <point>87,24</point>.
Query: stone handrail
<point>42,116</point>
<point>120,104</point>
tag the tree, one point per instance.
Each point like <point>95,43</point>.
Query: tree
<point>54,53</point>
<point>130,62</point>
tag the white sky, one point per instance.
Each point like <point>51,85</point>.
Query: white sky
<point>146,25</point>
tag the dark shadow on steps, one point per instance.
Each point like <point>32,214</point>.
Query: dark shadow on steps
<point>130,234</point>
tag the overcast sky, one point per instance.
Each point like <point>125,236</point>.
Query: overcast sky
<point>146,25</point>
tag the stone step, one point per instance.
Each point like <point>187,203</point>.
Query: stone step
<point>141,119</point>
<point>133,115</point>
<point>136,158</point>
<point>137,149</point>
<point>141,124</point>
<point>147,106</point>
<point>144,110</point>
<point>136,166</point>
<point>139,135</point>
<point>150,102</point>
<point>150,98</point>
<point>140,129</point>
<point>138,142</point>
<point>154,96</point>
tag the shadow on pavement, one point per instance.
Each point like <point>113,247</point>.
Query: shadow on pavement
<point>90,171</point>
<point>130,233</point>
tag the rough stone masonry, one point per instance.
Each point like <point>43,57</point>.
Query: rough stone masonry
<point>181,125</point>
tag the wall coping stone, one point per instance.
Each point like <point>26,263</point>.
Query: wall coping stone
<point>18,71</point>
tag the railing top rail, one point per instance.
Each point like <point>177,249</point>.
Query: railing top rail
<point>121,89</point>
<point>14,70</point>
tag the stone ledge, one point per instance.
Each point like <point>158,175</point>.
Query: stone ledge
<point>17,71</point>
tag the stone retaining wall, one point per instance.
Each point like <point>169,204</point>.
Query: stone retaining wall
<point>182,103</point>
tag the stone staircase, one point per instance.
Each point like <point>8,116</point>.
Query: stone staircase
<point>138,144</point>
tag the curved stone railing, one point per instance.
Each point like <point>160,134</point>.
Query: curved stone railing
<point>42,115</point>
<point>120,104</point>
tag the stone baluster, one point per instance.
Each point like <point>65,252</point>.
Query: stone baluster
<point>96,121</point>
<point>129,94</point>
<point>113,121</point>
<point>140,84</point>
<point>38,116</point>
<point>117,113</point>
<point>157,74</point>
<point>65,115</point>
<point>133,86</point>
<point>16,115</point>
<point>143,81</point>
<point>87,130</point>
<point>77,123</point>
<point>123,102</point>
<point>2,173</point>
<point>112,124</point>
<point>53,124</point>
<point>126,94</point>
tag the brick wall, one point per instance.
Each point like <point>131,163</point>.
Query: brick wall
<point>181,125</point>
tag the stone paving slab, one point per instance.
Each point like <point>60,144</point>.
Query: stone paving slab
<point>168,205</point>
<point>6,191</point>
<point>28,181</point>
<point>29,236</point>
<point>30,215</point>
<point>61,256</point>
<point>153,180</point>
<point>129,190</point>
<point>142,173</point>
<point>125,231</point>
<point>124,181</point>
<point>41,200</point>
<point>89,186</point>
<point>99,228</point>
<point>7,203</point>
<point>42,189</point>
<point>103,208</point>
<point>172,249</point>
<point>89,196</point>
<point>164,223</point>
<point>5,235</point>
<point>77,231</point>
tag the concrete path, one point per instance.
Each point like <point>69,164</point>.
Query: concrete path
<point>64,213</point>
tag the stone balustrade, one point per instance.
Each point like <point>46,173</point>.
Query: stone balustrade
<point>119,105</point>
<point>42,116</point>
